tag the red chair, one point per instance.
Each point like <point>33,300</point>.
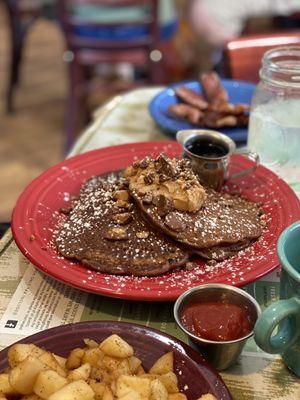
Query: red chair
<point>88,52</point>
<point>243,55</point>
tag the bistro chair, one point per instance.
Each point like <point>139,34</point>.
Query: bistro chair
<point>21,16</point>
<point>243,56</point>
<point>89,49</point>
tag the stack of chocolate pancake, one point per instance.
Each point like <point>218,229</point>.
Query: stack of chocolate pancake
<point>153,218</point>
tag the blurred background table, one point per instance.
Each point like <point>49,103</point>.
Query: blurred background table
<point>124,119</point>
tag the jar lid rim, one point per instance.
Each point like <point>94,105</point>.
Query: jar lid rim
<point>273,57</point>
<point>280,62</point>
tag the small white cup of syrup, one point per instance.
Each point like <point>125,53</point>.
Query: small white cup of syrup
<point>209,152</point>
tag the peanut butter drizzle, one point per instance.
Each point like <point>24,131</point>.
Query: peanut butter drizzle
<point>170,178</point>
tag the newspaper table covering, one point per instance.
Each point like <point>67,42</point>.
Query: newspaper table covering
<point>31,302</point>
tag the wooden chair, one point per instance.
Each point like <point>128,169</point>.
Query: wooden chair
<point>243,56</point>
<point>21,16</point>
<point>88,52</point>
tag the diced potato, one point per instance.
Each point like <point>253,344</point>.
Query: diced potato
<point>111,363</point>
<point>121,388</point>
<point>74,359</point>
<point>115,346</point>
<point>131,395</point>
<point>113,387</point>
<point>78,390</point>
<point>50,361</point>
<point>80,373</point>
<point>150,376</point>
<point>134,364</point>
<point>116,374</point>
<point>116,366</point>
<point>207,396</point>
<point>108,371</point>
<point>140,371</point>
<point>170,381</point>
<point>163,365</point>
<point>158,391</point>
<point>23,376</point>
<point>48,382</point>
<point>107,394</point>
<point>140,385</point>
<point>100,374</point>
<point>90,343</point>
<point>98,388</point>
<point>5,386</point>
<point>18,352</point>
<point>61,360</point>
<point>92,356</point>
<point>177,396</point>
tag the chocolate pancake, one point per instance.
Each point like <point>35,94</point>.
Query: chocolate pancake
<point>221,253</point>
<point>223,219</point>
<point>105,230</point>
<point>216,219</point>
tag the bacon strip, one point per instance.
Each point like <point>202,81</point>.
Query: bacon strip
<point>229,108</point>
<point>192,114</point>
<point>243,120</point>
<point>213,88</point>
<point>190,97</point>
<point>241,108</point>
<point>228,120</point>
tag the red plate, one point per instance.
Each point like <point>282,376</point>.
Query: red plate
<point>36,213</point>
<point>195,376</point>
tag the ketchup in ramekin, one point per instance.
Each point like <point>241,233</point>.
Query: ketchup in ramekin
<point>217,321</point>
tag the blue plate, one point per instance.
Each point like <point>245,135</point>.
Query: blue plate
<point>238,91</point>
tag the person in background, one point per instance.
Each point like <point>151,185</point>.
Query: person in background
<point>220,21</point>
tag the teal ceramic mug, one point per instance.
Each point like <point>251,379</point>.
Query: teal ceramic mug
<point>278,328</point>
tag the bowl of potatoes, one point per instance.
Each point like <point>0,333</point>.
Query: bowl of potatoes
<point>106,360</point>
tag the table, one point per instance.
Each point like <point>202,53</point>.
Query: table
<point>31,301</point>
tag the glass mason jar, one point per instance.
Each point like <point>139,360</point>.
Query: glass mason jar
<point>274,126</point>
